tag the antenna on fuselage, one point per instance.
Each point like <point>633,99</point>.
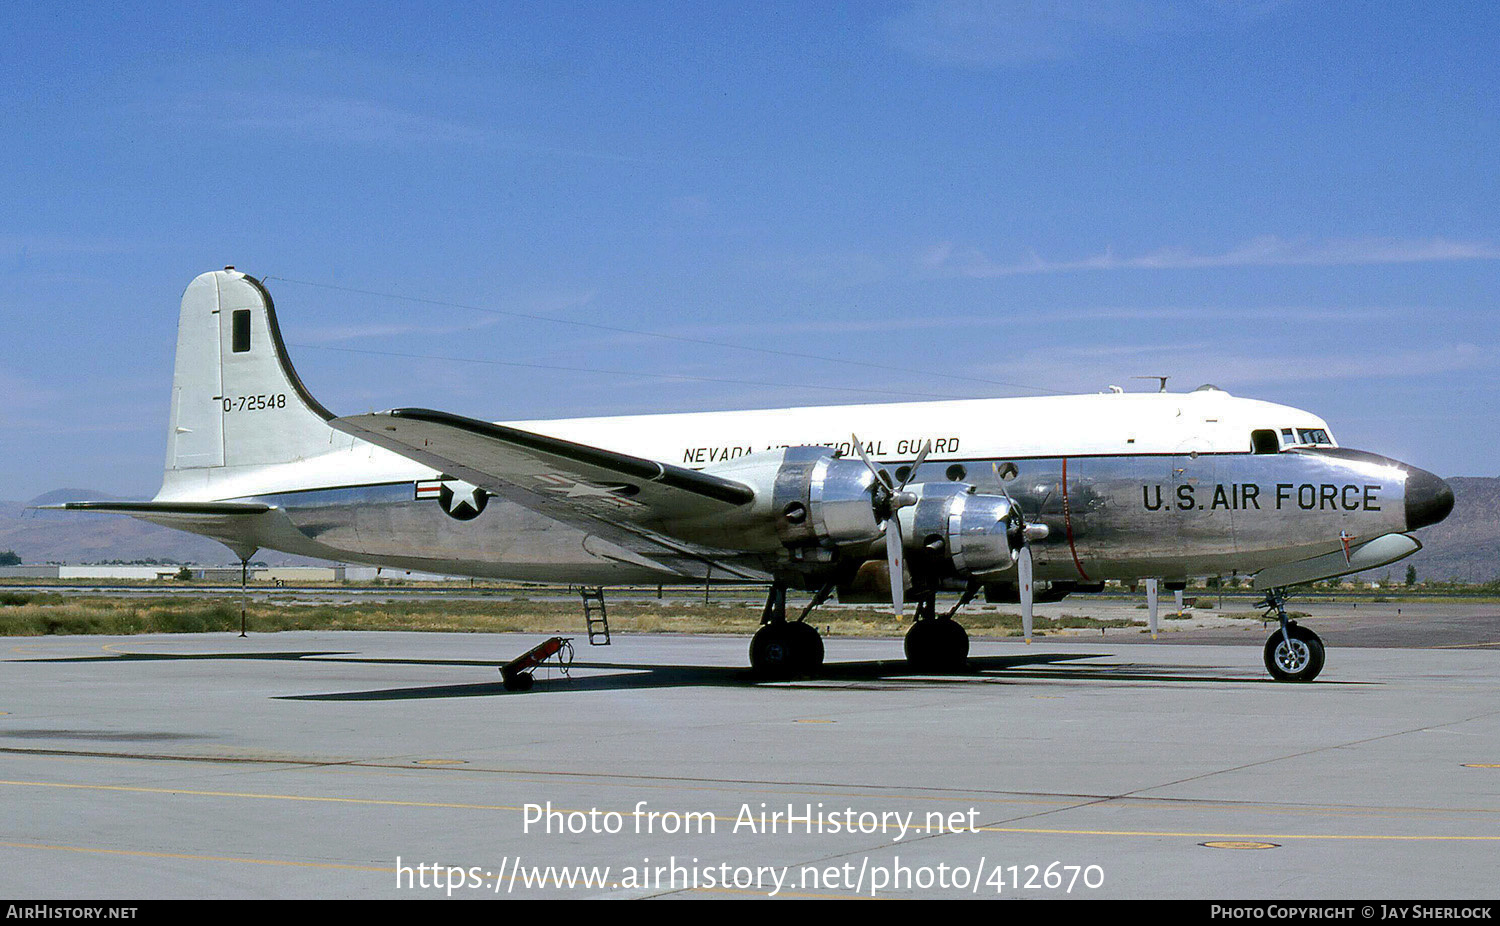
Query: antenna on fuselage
<point>1160,379</point>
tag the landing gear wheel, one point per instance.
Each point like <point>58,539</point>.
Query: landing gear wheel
<point>1299,662</point>
<point>807,646</point>
<point>521,681</point>
<point>937,645</point>
<point>955,644</point>
<point>783,648</point>
<point>773,650</point>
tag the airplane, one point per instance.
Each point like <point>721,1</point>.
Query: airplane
<point>1018,499</point>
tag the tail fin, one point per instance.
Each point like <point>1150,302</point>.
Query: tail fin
<point>236,401</point>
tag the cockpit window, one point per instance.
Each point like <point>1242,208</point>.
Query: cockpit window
<point>1305,437</point>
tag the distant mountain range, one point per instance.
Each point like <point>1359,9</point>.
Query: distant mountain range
<point>1465,547</point>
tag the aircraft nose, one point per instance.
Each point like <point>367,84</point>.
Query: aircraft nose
<point>1429,498</point>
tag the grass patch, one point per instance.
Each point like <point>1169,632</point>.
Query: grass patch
<point>15,599</point>
<point>51,614</point>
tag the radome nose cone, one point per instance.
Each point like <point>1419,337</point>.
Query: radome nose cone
<point>1428,499</point>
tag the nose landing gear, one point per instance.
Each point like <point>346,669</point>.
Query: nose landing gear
<point>1292,653</point>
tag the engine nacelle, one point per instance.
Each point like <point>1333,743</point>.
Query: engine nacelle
<point>822,500</point>
<point>969,533</point>
<point>819,511</point>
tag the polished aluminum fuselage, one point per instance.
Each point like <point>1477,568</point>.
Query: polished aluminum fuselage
<point>1108,517</point>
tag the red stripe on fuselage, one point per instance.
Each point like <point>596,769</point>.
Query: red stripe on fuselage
<point>1068,522</point>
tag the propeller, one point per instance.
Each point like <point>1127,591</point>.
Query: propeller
<point>1028,591</point>
<point>1024,566</point>
<point>889,498</point>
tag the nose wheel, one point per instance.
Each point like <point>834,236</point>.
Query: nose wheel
<point>1292,653</point>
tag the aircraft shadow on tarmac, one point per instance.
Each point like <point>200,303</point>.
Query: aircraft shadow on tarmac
<point>610,676</point>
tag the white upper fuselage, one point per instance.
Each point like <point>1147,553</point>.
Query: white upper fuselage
<point>1205,421</point>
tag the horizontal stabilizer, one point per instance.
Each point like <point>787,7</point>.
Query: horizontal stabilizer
<point>163,508</point>
<point>238,525</point>
<point>1382,551</point>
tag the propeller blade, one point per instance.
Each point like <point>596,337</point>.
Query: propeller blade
<point>995,468</point>
<point>912,473</point>
<point>880,474</point>
<point>895,555</point>
<point>1028,593</point>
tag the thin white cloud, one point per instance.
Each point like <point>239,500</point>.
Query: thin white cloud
<point>1014,33</point>
<point>358,331</point>
<point>1025,317</point>
<point>23,393</point>
<point>1264,251</point>
<point>1192,364</point>
<point>432,318</point>
<point>350,120</point>
<point>355,121</point>
<point>830,270</point>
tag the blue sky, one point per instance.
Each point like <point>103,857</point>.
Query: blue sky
<point>1295,201</point>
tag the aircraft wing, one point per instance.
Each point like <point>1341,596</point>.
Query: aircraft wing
<point>615,495</point>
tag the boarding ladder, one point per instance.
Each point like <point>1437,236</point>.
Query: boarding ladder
<point>595,615</point>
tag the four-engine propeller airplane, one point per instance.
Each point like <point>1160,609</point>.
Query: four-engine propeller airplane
<point>992,496</point>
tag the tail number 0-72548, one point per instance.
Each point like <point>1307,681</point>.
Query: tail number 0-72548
<point>250,403</point>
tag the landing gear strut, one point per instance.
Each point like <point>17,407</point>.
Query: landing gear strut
<point>937,644</point>
<point>783,648</point>
<point>1293,653</point>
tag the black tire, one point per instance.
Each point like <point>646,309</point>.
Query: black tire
<point>1304,660</point>
<point>920,646</point>
<point>521,681</point>
<point>808,645</point>
<point>955,645</point>
<point>939,645</point>
<point>774,650</point>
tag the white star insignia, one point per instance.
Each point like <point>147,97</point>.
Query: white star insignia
<point>464,496</point>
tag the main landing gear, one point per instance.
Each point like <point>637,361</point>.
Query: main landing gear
<point>1293,653</point>
<point>937,644</point>
<point>783,648</point>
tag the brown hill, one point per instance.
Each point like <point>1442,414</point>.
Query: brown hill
<point>1466,546</point>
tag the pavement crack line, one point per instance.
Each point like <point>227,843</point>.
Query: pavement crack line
<point>1307,752</point>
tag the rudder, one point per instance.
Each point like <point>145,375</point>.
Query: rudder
<point>236,400</point>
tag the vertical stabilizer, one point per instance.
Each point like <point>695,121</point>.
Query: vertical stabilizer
<point>236,401</point>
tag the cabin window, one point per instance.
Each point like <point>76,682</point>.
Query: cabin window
<point>956,472</point>
<point>1264,440</point>
<point>240,323</point>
